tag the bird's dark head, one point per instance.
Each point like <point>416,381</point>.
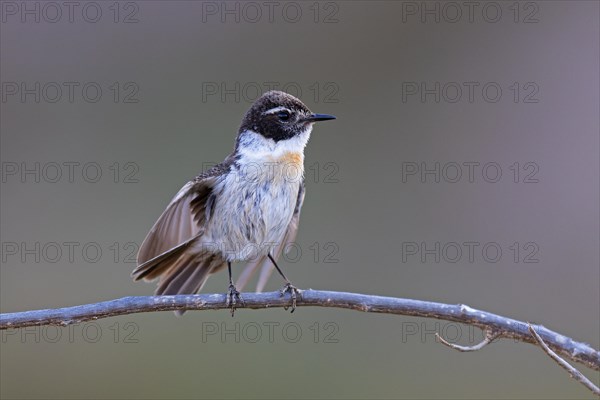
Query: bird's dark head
<point>279,116</point>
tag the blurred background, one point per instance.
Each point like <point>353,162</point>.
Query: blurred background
<point>462,168</point>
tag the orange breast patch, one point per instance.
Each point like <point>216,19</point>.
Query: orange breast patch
<point>291,158</point>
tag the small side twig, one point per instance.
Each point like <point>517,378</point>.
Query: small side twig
<point>490,336</point>
<point>575,374</point>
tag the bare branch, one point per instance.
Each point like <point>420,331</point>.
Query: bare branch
<point>575,374</point>
<point>490,336</point>
<point>501,326</point>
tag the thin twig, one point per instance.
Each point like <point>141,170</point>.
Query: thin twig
<point>504,327</point>
<point>490,336</point>
<point>575,374</point>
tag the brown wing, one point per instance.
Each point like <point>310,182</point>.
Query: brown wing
<point>267,265</point>
<point>179,225</point>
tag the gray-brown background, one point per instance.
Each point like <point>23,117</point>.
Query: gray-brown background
<point>184,77</point>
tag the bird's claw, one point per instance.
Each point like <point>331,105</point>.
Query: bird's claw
<point>294,292</point>
<point>233,296</point>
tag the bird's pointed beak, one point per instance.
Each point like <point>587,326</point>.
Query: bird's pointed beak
<point>318,117</point>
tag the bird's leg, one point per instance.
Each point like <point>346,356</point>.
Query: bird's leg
<point>288,287</point>
<point>233,296</point>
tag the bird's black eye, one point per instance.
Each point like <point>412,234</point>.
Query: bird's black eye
<point>283,115</point>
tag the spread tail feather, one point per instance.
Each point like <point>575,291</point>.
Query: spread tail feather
<point>187,275</point>
<point>180,272</point>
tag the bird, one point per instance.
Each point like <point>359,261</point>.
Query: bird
<point>244,209</point>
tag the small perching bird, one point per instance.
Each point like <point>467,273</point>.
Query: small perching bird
<point>244,209</point>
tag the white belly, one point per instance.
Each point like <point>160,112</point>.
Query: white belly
<point>253,209</point>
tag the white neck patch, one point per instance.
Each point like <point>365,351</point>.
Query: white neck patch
<point>253,145</point>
